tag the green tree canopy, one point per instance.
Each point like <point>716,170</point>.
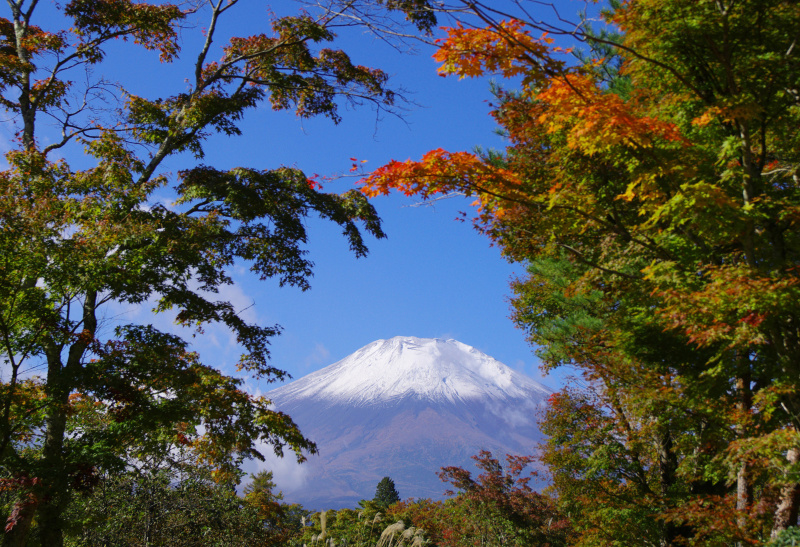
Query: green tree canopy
<point>386,493</point>
<point>79,395</point>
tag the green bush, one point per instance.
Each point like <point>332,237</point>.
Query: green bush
<point>787,538</point>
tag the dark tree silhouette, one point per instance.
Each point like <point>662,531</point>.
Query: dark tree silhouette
<point>386,493</point>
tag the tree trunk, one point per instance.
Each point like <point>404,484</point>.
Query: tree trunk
<point>786,512</point>
<point>666,476</point>
<point>744,486</point>
<point>58,388</point>
<point>55,482</point>
<point>744,491</point>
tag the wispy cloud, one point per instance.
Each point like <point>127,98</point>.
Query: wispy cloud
<point>517,416</point>
<point>286,472</point>
<point>217,344</point>
<point>318,356</point>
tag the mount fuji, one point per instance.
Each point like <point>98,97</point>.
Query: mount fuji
<point>404,408</point>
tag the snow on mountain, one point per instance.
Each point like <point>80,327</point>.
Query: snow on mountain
<point>404,408</point>
<point>405,366</point>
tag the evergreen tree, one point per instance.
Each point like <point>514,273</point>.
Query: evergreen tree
<point>386,494</point>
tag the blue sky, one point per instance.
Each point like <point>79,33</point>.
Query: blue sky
<point>432,277</point>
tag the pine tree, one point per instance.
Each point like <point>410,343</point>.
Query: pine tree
<point>386,493</point>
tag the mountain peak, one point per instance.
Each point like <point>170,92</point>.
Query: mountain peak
<point>408,367</point>
<point>405,407</point>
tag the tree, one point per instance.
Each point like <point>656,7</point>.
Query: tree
<point>498,507</point>
<point>278,521</point>
<point>80,397</point>
<point>386,493</point>
<point>159,507</point>
<point>652,191</point>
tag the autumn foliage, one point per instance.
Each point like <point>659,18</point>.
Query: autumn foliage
<point>651,188</point>
<point>496,507</point>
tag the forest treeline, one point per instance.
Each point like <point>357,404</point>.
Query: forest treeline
<point>497,507</point>
<point>649,186</point>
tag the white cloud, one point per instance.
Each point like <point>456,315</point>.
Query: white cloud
<point>286,472</point>
<point>518,416</point>
<point>318,356</point>
<point>217,344</point>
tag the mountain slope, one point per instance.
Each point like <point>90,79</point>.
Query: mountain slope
<point>403,408</point>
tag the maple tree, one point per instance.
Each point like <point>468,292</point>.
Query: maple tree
<point>496,507</point>
<point>80,397</point>
<point>652,190</point>
<point>499,507</point>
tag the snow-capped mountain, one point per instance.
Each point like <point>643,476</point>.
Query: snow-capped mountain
<point>407,367</point>
<point>403,408</point>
